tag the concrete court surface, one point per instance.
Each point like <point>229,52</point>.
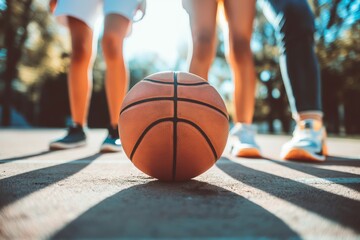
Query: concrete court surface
<point>80,193</point>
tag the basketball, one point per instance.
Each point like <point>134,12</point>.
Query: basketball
<point>173,126</point>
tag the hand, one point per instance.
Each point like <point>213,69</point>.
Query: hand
<point>52,5</point>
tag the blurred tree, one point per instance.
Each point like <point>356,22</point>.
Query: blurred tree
<point>143,65</point>
<point>14,21</point>
<point>338,49</point>
<point>35,53</point>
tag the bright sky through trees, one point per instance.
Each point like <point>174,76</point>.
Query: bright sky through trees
<point>164,29</point>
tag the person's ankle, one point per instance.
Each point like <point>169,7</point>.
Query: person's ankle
<point>243,124</point>
<point>312,118</point>
<point>77,125</point>
<point>306,115</point>
<point>113,131</point>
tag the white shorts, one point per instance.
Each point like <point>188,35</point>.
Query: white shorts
<point>89,11</point>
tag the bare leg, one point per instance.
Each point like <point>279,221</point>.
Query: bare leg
<point>80,76</point>
<point>202,15</point>
<point>116,75</point>
<point>240,16</point>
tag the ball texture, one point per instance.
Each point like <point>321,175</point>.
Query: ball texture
<point>173,126</point>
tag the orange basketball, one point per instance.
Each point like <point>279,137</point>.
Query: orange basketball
<point>173,126</point>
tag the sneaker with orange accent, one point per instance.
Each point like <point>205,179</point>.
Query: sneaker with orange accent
<point>243,141</point>
<point>308,142</point>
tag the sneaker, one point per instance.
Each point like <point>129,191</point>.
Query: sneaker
<point>243,141</point>
<point>307,144</point>
<point>112,141</point>
<point>75,137</point>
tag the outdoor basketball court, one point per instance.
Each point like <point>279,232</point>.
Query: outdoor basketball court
<point>79,193</point>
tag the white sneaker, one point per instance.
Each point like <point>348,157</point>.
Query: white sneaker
<point>243,141</point>
<point>308,142</point>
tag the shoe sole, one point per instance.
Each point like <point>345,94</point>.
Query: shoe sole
<point>248,153</point>
<point>107,148</point>
<point>298,154</point>
<point>62,146</point>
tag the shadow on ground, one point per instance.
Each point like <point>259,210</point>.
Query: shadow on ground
<point>195,209</point>
<point>342,161</point>
<point>190,209</point>
<point>19,186</point>
<point>332,206</point>
<point>334,176</point>
<point>24,157</point>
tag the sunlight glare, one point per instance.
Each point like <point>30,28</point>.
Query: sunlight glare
<point>163,31</point>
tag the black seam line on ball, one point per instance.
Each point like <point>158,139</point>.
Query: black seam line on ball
<point>202,133</point>
<point>175,126</point>
<point>172,99</point>
<point>204,104</point>
<point>148,128</point>
<point>144,101</point>
<point>179,84</point>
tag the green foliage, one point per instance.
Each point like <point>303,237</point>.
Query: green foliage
<point>34,51</point>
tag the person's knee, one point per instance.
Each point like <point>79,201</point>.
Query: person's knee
<point>112,45</point>
<point>240,47</point>
<point>203,46</point>
<point>81,52</point>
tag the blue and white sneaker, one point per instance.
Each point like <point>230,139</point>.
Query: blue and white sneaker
<point>243,142</point>
<point>74,138</point>
<point>308,142</point>
<point>112,141</point>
